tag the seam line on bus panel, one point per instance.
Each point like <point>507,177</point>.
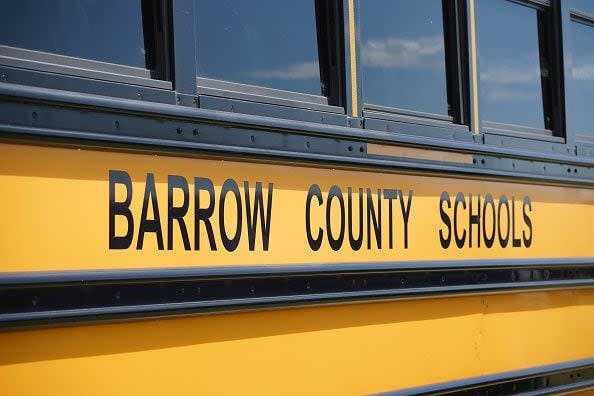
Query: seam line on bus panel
<point>353,58</point>
<point>408,166</point>
<point>69,99</point>
<point>539,380</point>
<point>52,298</point>
<point>473,57</point>
<point>57,276</point>
<point>29,320</point>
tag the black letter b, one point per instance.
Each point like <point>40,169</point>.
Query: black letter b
<point>121,209</point>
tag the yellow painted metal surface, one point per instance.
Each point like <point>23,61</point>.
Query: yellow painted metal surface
<point>474,61</point>
<point>353,59</point>
<point>588,392</point>
<point>55,214</point>
<point>349,349</point>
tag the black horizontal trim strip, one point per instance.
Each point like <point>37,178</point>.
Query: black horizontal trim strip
<point>31,299</point>
<point>35,94</point>
<point>542,380</point>
<point>30,277</point>
<point>294,155</point>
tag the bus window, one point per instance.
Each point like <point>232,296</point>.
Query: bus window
<point>412,59</point>
<point>515,65</point>
<point>108,31</point>
<point>581,77</point>
<point>403,55</point>
<point>264,43</point>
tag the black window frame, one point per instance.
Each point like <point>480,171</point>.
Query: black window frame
<point>56,71</point>
<point>550,42</point>
<point>457,63</point>
<point>259,100</point>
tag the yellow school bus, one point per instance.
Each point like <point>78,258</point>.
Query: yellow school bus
<point>297,197</point>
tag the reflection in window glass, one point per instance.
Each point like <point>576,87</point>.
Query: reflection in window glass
<point>510,70</point>
<point>103,30</point>
<point>271,43</point>
<point>403,55</point>
<point>581,81</point>
<point>585,6</point>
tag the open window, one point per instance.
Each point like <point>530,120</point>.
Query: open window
<point>520,77</point>
<point>414,62</point>
<point>277,52</point>
<point>110,40</point>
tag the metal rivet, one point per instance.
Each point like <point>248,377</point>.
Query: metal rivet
<point>117,295</point>
<point>34,301</point>
<point>34,115</point>
<point>307,144</point>
<point>3,77</point>
<point>179,131</point>
<point>195,132</point>
<point>253,138</point>
<point>350,148</point>
<point>117,124</point>
<point>362,149</point>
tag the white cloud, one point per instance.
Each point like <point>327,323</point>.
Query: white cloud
<point>505,83</point>
<point>296,71</point>
<point>499,94</point>
<point>584,72</point>
<point>393,52</point>
<point>507,75</point>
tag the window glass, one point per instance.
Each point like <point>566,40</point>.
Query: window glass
<point>403,56</point>
<point>103,30</point>
<point>513,71</point>
<point>270,43</point>
<point>586,6</point>
<point>581,81</point>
